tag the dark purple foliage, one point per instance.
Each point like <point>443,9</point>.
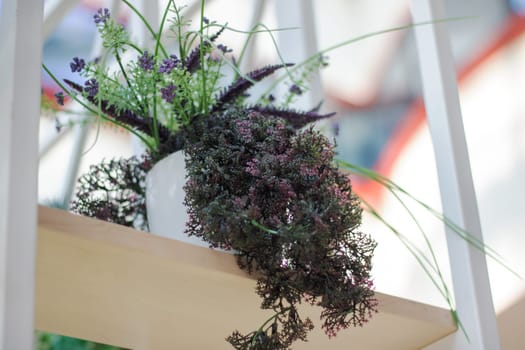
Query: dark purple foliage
<point>239,86</point>
<point>192,62</point>
<point>273,194</point>
<point>114,191</point>
<point>297,119</point>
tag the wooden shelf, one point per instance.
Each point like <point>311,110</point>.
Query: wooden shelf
<point>111,284</point>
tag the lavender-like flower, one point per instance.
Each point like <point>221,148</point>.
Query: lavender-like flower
<point>60,98</point>
<point>91,87</point>
<point>224,48</point>
<point>77,65</point>
<point>146,61</point>
<point>169,64</point>
<point>101,16</point>
<point>168,92</point>
<point>295,89</point>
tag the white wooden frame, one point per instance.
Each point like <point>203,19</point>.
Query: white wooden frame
<point>468,265</point>
<point>20,59</point>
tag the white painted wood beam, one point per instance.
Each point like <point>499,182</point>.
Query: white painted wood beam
<point>54,13</point>
<point>20,59</point>
<point>297,45</point>
<point>468,265</point>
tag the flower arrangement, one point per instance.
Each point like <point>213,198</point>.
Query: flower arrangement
<point>259,181</point>
<point>158,96</point>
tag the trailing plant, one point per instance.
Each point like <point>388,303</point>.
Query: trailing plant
<point>274,195</point>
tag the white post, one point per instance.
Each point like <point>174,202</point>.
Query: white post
<point>20,58</point>
<point>297,45</point>
<point>54,12</point>
<point>468,265</point>
<point>150,11</point>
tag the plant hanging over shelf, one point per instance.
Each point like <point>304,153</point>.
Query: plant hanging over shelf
<point>257,182</point>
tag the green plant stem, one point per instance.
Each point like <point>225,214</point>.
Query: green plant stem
<point>161,27</point>
<point>95,112</point>
<point>201,52</point>
<point>148,26</point>
<point>273,317</point>
<point>140,105</point>
<point>266,30</point>
<point>426,239</point>
<point>135,47</point>
<point>474,241</point>
<point>319,54</point>
<point>421,258</point>
<point>182,48</point>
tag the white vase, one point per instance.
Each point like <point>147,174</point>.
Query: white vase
<point>167,214</point>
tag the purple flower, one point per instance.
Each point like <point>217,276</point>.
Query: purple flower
<point>146,61</point>
<point>60,98</point>
<point>169,64</point>
<point>58,125</point>
<point>101,16</point>
<point>224,48</point>
<point>244,129</point>
<point>91,87</point>
<point>77,65</point>
<point>205,20</point>
<point>252,167</point>
<point>295,89</point>
<point>168,92</point>
<point>336,128</point>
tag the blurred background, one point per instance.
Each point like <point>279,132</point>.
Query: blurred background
<point>374,86</point>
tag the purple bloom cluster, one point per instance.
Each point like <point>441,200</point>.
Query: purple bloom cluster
<point>101,16</point>
<point>295,89</point>
<point>146,61</point>
<point>168,92</point>
<point>77,65</point>
<point>60,98</point>
<point>91,87</point>
<point>244,129</point>
<point>224,48</point>
<point>169,64</point>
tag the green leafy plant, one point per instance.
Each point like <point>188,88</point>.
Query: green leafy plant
<point>157,96</point>
<point>48,341</point>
